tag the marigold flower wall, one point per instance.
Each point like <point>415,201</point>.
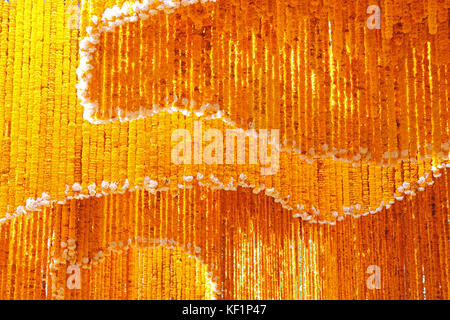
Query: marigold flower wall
<point>89,100</point>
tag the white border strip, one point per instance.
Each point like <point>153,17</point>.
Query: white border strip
<point>310,215</point>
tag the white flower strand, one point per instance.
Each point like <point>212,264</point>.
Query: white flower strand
<point>107,188</point>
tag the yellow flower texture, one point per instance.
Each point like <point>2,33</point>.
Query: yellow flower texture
<point>91,94</point>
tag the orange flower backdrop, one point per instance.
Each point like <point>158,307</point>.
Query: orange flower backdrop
<point>93,207</point>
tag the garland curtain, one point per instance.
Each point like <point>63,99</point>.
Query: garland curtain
<point>92,205</point>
